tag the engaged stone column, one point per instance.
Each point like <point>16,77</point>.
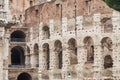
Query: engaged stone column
<point>52,64</point>
<point>40,60</point>
<point>1,63</point>
<point>41,64</point>
<point>32,59</point>
<point>66,64</point>
<point>115,58</point>
<point>44,59</point>
<point>52,59</point>
<point>27,60</point>
<point>82,57</point>
<point>6,55</point>
<point>98,62</point>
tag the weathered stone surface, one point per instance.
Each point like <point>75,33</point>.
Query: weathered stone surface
<point>59,40</point>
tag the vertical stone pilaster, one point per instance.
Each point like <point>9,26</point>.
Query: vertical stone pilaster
<point>27,60</point>
<point>52,63</point>
<point>32,58</point>
<point>82,57</point>
<point>44,59</point>
<point>64,26</point>
<point>6,55</point>
<point>40,31</point>
<point>66,64</point>
<point>31,34</point>
<point>40,60</point>
<point>98,62</point>
<point>41,63</point>
<point>1,63</point>
<point>115,21</point>
<point>51,25</point>
<point>115,58</point>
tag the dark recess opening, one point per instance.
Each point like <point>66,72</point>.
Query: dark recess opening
<point>24,76</point>
<point>18,36</point>
<point>17,56</point>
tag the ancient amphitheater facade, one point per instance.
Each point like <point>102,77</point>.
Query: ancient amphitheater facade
<point>62,40</point>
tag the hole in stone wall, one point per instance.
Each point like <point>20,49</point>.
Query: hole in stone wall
<point>17,56</point>
<point>108,62</point>
<point>45,32</point>
<point>72,47</point>
<point>31,3</point>
<point>89,46</point>
<point>24,76</point>
<point>58,51</point>
<point>18,36</point>
<point>36,11</point>
<point>107,25</point>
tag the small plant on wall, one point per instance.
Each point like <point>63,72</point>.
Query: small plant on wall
<point>114,4</point>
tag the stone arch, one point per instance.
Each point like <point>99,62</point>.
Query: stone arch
<point>36,54</point>
<point>24,76</point>
<point>58,53</point>
<point>89,47</point>
<point>17,56</point>
<point>72,47</point>
<point>18,36</point>
<point>46,53</point>
<point>107,25</point>
<point>45,32</point>
<point>106,42</point>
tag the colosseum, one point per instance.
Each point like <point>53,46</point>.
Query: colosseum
<point>59,40</point>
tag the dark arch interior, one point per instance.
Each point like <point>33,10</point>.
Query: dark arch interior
<point>72,46</point>
<point>89,46</point>
<point>58,48</point>
<point>60,59</point>
<point>108,62</point>
<point>46,32</point>
<point>18,36</point>
<point>24,76</point>
<point>17,56</point>
<point>45,28</point>
<point>36,49</point>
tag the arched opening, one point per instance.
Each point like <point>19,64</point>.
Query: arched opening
<point>46,55</point>
<point>18,36</point>
<point>72,47</point>
<point>45,32</point>
<point>89,46</point>
<point>58,53</point>
<point>24,76</point>
<point>107,25</point>
<point>106,43</point>
<point>36,55</point>
<point>17,56</point>
<point>108,62</point>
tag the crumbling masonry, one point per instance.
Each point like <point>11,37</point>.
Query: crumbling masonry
<point>59,40</point>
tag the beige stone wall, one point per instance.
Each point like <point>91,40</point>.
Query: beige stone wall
<point>73,33</point>
<point>77,22</point>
